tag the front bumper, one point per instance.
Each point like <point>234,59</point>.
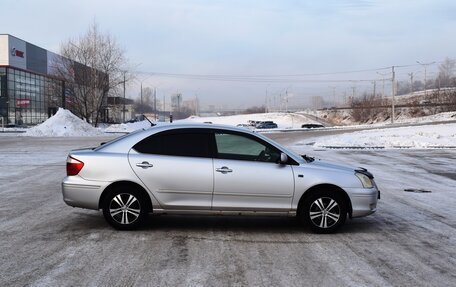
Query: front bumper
<point>78,192</point>
<point>363,200</point>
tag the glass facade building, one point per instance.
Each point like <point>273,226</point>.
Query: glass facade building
<point>28,98</point>
<point>30,92</point>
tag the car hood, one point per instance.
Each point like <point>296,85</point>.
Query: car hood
<point>331,165</point>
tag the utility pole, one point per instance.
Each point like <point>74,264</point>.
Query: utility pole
<point>267,108</point>
<point>411,82</point>
<point>286,101</point>
<point>197,108</point>
<point>425,79</point>
<point>155,103</point>
<point>375,85</point>
<point>123,117</point>
<point>334,95</point>
<point>393,93</point>
<point>141,94</point>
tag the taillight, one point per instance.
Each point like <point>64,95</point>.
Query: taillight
<point>73,166</point>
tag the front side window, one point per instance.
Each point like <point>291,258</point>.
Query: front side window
<point>238,147</point>
<point>176,143</point>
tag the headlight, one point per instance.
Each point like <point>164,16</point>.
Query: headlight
<point>365,180</point>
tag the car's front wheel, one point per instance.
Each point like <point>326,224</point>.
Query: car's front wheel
<point>124,209</point>
<point>324,211</point>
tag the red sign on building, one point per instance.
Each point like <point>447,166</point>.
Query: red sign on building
<point>17,53</point>
<point>22,102</point>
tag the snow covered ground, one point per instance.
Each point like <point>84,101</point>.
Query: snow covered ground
<point>409,241</point>
<point>418,137</point>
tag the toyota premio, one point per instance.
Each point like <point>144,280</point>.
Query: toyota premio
<point>214,170</point>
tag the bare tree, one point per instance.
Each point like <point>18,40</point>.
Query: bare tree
<point>446,73</point>
<point>147,95</point>
<point>92,66</point>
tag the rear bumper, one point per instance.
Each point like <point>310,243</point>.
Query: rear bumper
<point>78,192</point>
<point>363,200</point>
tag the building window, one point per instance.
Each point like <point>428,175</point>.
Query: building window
<point>28,97</point>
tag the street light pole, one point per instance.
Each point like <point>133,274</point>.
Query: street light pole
<point>393,93</point>
<point>425,73</point>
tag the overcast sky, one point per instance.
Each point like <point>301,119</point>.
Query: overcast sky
<point>251,37</point>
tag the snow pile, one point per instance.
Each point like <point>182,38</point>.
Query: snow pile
<point>428,136</point>
<point>63,124</point>
<point>127,127</point>
<point>283,120</point>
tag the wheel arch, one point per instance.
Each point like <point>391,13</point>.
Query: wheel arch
<point>320,187</point>
<point>127,184</point>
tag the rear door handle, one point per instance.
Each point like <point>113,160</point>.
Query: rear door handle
<point>223,169</point>
<point>144,164</point>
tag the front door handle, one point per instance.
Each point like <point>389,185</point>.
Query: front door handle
<point>144,164</point>
<point>223,169</point>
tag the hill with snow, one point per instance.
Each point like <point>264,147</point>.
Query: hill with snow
<point>283,120</point>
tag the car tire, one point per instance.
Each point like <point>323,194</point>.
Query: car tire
<point>125,208</point>
<point>324,211</point>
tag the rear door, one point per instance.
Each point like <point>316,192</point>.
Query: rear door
<point>247,175</point>
<point>176,166</point>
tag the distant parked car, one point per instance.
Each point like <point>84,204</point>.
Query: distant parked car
<point>312,126</point>
<point>212,169</point>
<point>266,125</point>
<point>253,123</point>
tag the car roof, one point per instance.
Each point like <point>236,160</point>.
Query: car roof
<point>124,144</point>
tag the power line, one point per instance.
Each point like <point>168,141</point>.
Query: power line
<point>278,78</point>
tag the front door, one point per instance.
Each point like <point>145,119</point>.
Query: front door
<point>248,176</point>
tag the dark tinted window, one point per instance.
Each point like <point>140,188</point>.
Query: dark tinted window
<point>176,143</point>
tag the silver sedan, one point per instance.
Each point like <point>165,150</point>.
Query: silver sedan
<point>214,170</point>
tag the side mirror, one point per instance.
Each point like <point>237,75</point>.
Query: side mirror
<point>283,158</point>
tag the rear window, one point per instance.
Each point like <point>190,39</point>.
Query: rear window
<point>176,143</point>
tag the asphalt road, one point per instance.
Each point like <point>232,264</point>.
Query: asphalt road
<point>410,241</point>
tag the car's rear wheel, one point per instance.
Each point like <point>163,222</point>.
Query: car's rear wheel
<point>124,209</point>
<point>324,211</point>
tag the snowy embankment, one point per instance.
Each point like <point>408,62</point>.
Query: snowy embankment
<point>418,137</point>
<point>63,124</point>
<point>283,120</point>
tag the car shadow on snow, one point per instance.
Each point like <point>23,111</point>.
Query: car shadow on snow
<point>94,221</point>
<point>247,224</point>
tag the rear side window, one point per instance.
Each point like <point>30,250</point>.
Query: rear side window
<point>176,143</point>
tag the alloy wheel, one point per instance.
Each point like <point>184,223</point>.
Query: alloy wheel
<point>324,212</point>
<point>124,208</point>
